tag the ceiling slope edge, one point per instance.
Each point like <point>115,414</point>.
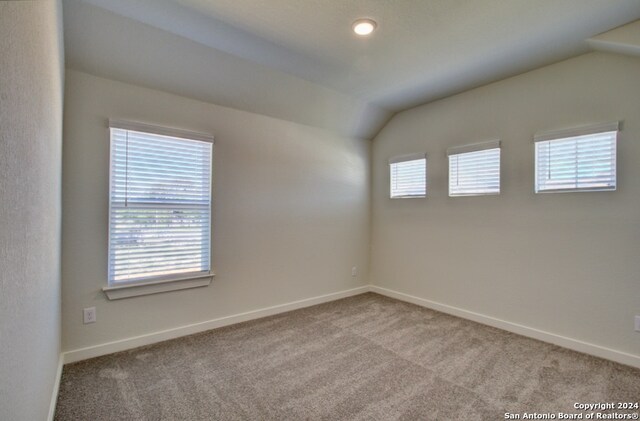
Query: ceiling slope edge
<point>622,40</point>
<point>105,44</point>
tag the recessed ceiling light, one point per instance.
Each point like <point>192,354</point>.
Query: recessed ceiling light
<point>364,27</point>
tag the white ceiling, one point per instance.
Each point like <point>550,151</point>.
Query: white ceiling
<point>422,50</point>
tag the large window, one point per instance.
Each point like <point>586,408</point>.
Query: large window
<point>474,169</point>
<point>160,204</point>
<point>408,175</point>
<point>576,160</point>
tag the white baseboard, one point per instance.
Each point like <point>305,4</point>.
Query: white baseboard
<point>151,338</point>
<point>56,389</point>
<point>563,341</point>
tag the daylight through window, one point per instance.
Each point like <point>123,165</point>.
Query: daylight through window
<point>160,206</point>
<point>474,169</point>
<point>408,176</point>
<point>585,162</point>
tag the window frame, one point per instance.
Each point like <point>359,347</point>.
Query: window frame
<point>160,283</point>
<point>575,133</point>
<point>402,159</point>
<point>473,148</point>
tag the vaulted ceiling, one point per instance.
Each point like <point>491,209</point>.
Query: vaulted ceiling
<point>298,59</point>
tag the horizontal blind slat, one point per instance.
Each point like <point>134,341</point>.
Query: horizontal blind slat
<point>576,163</point>
<point>160,206</point>
<point>474,173</point>
<point>408,178</point>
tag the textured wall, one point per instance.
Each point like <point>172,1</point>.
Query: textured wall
<point>30,155</point>
<point>563,263</point>
<point>290,211</point>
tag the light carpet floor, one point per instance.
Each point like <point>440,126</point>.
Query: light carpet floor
<point>366,357</point>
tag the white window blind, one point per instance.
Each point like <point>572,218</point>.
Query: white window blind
<point>585,162</point>
<point>408,176</point>
<point>474,169</point>
<point>160,206</point>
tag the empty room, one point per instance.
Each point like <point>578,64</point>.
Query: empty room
<point>319,210</point>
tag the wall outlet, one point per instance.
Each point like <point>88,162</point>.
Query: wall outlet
<point>637,323</point>
<point>354,271</point>
<point>89,315</point>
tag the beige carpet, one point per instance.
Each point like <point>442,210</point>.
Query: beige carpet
<point>362,358</point>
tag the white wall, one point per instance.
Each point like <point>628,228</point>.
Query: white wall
<point>565,263</point>
<point>290,211</point>
<point>31,75</point>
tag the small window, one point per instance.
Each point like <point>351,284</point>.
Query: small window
<point>581,160</point>
<point>160,204</point>
<point>408,176</point>
<point>474,169</point>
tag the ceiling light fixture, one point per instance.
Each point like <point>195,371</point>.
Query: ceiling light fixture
<point>364,27</point>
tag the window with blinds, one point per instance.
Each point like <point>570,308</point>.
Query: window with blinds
<point>474,169</point>
<point>408,176</point>
<point>160,206</point>
<point>584,162</point>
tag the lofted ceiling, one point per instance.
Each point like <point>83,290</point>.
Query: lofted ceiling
<point>298,59</point>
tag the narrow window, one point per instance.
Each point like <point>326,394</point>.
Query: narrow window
<point>160,204</point>
<point>408,176</point>
<point>577,160</point>
<point>474,169</point>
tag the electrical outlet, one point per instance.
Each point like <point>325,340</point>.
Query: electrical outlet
<point>637,323</point>
<point>354,271</point>
<point>89,315</point>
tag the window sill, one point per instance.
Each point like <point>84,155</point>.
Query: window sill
<point>580,190</point>
<point>408,197</point>
<point>475,194</point>
<point>155,287</point>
